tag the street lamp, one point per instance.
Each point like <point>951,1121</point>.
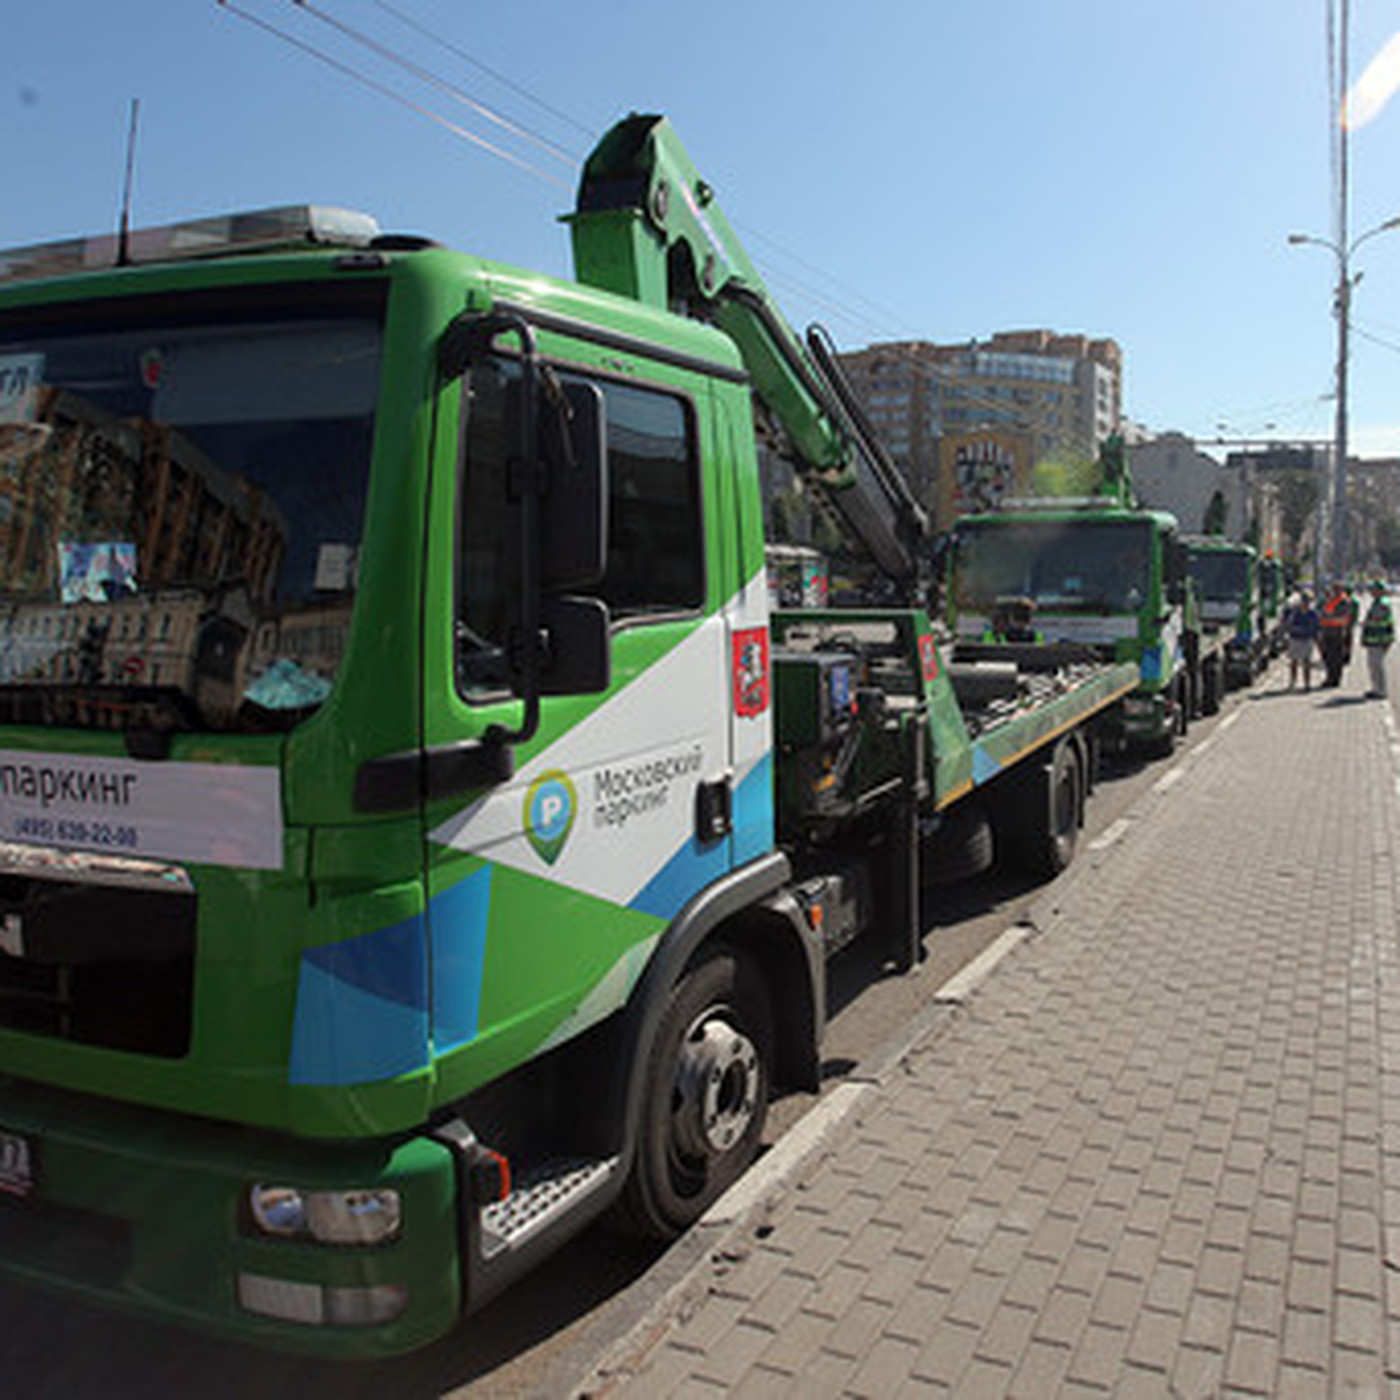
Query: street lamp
<point>1337,478</point>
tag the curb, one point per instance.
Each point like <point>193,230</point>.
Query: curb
<point>684,1275</point>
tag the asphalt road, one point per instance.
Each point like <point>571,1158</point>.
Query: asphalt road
<point>52,1348</point>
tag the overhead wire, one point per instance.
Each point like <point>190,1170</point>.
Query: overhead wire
<point>875,331</point>
<point>493,73</point>
<point>753,235</point>
<point>1374,338</point>
<point>365,80</point>
<point>424,75</point>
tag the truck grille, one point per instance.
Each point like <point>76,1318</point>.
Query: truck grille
<point>95,963</point>
<point>57,1241</point>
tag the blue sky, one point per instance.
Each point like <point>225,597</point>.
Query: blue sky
<point>912,169</point>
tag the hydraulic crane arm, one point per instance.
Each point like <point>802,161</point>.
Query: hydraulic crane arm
<point>647,226</point>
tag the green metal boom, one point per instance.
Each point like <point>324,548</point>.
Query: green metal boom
<point>648,227</point>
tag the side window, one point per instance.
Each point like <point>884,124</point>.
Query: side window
<point>655,539</point>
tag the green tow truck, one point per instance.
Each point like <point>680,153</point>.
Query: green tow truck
<point>1101,574</point>
<point>418,834</point>
<point>1227,578</point>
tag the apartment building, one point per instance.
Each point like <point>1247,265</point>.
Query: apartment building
<point>969,422</point>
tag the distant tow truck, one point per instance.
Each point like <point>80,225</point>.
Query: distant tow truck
<point>1103,575</point>
<point>1226,575</point>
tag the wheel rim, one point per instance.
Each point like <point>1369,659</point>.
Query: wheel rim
<point>717,1086</point>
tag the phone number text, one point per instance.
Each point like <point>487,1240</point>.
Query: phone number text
<point>102,835</point>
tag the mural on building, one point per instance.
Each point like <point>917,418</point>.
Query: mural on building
<point>978,471</point>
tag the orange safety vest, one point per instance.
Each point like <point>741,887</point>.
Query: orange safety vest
<point>1336,613</point>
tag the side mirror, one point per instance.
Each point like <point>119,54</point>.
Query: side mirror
<point>577,646</point>
<point>574,504</point>
<point>1175,565</point>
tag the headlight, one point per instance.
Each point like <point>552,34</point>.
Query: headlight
<point>352,1217</point>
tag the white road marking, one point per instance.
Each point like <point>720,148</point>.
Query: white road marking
<point>1110,834</point>
<point>964,982</point>
<point>1169,779</point>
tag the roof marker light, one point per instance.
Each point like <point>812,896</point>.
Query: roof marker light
<point>288,226</point>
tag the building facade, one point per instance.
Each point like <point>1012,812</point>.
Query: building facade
<point>1373,512</point>
<point>996,408</point>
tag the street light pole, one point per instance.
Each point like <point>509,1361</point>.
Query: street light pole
<point>1338,562</point>
<point>1336,556</point>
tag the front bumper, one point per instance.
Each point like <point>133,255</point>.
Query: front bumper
<point>1241,664</point>
<point>1146,717</point>
<point>147,1213</point>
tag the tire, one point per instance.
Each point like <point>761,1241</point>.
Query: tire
<point>1213,688</point>
<point>1163,747</point>
<point>1041,832</point>
<point>704,1097</point>
<point>961,849</point>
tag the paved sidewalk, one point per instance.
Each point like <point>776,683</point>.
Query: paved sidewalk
<point>1157,1153</point>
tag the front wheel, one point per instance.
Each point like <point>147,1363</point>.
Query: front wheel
<point>705,1095</point>
<point>1213,688</point>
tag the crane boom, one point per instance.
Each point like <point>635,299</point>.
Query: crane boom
<point>648,227</point>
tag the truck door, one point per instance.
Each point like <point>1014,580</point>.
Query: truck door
<point>548,888</point>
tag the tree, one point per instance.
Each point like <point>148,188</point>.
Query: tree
<point>1388,541</point>
<point>1299,493</point>
<point>1217,510</point>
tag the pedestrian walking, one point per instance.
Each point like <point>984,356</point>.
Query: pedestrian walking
<point>1334,625</point>
<point>1377,636</point>
<point>1302,623</point>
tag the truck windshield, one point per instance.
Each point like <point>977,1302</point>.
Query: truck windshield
<point>1063,566</point>
<point>182,490</point>
<point>1222,578</point>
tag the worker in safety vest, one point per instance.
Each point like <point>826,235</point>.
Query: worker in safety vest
<point>1378,636</point>
<point>1013,620</point>
<point>1334,633</point>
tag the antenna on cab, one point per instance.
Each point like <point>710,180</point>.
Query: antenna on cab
<point>124,227</point>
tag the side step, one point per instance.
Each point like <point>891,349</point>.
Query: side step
<point>546,1194</point>
<point>501,1240</point>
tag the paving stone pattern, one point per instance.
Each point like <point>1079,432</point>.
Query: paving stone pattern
<point>1158,1151</point>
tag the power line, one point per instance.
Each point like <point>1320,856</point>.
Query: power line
<point>1024,421</point>
<point>1374,339</point>
<point>779,277</point>
<point>890,317</point>
<point>365,80</point>
<point>860,320</point>
<point>476,63</point>
<point>433,80</point>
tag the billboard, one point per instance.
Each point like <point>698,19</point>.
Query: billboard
<point>977,471</point>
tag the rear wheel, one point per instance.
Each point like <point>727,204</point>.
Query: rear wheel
<point>962,848</point>
<point>705,1097</point>
<point>1040,827</point>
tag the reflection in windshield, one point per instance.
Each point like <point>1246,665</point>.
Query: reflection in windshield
<point>1065,566</point>
<point>180,517</point>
